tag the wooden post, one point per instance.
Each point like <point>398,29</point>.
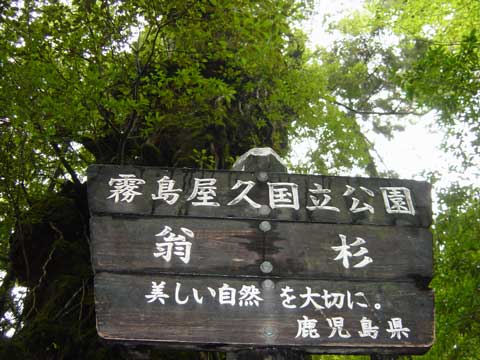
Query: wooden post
<point>263,160</point>
<point>267,354</point>
<point>260,230</point>
<point>260,159</point>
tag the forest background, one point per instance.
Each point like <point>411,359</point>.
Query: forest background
<point>197,83</point>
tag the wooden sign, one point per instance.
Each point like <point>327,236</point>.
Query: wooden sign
<point>238,247</point>
<point>234,259</point>
<point>260,195</point>
<point>314,315</point>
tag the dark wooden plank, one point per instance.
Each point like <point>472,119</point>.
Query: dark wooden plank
<point>125,313</point>
<point>218,247</point>
<point>340,209</point>
<point>239,247</point>
<point>307,250</point>
<point>267,354</point>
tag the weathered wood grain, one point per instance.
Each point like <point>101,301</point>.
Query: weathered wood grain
<point>99,192</point>
<point>124,313</point>
<point>239,247</point>
<point>283,252</point>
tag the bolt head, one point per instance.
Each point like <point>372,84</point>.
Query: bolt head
<point>268,284</point>
<point>265,226</point>
<point>266,267</point>
<point>264,210</point>
<point>262,176</point>
<point>268,331</point>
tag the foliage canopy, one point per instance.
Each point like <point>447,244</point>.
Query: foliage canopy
<point>413,57</point>
<point>168,83</point>
<point>197,83</point>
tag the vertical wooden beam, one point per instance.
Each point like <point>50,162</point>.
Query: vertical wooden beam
<point>267,354</point>
<point>383,357</point>
<point>262,160</point>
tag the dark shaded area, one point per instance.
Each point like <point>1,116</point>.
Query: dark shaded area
<point>50,255</point>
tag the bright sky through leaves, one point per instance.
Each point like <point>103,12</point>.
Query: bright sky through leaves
<point>412,153</point>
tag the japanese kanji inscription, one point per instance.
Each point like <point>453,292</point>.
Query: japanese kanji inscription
<point>315,263</point>
<point>240,194</point>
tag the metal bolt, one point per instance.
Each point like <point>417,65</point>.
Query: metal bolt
<point>268,331</point>
<point>266,267</point>
<point>268,284</point>
<point>262,176</point>
<point>265,226</point>
<point>264,210</point>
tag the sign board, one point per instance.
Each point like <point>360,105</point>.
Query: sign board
<point>238,259</point>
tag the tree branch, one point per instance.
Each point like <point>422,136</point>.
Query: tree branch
<point>67,304</point>
<point>382,113</point>
<point>7,284</point>
<point>65,164</point>
<point>44,267</point>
